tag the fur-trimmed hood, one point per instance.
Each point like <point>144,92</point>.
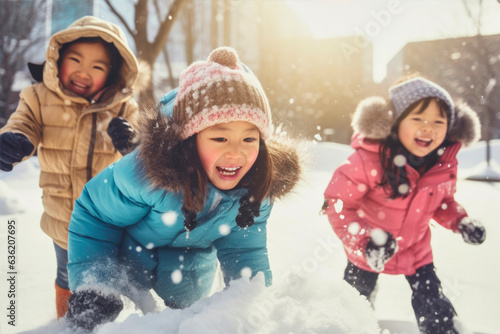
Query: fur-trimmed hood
<point>374,119</point>
<point>159,133</point>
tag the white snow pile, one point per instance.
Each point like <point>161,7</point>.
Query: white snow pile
<point>296,305</point>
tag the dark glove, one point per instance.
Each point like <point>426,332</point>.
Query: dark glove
<point>121,134</point>
<point>472,231</point>
<point>13,148</point>
<point>380,248</point>
<point>90,308</point>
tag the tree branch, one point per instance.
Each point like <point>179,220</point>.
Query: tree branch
<point>120,17</point>
<point>165,27</point>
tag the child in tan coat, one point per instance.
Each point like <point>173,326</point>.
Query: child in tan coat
<point>78,118</point>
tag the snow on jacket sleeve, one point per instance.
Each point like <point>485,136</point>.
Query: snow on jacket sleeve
<point>343,194</point>
<point>246,248</point>
<point>109,202</point>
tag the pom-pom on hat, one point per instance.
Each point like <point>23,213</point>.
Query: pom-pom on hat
<point>220,90</point>
<point>410,91</point>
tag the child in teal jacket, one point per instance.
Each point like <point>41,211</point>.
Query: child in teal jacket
<point>199,188</point>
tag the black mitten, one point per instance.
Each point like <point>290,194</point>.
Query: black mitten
<point>13,148</point>
<point>380,248</point>
<point>473,232</point>
<point>121,133</point>
<point>90,308</point>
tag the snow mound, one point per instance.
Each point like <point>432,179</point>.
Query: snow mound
<point>297,305</point>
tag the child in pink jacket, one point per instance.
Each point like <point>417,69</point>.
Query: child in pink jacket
<point>401,175</point>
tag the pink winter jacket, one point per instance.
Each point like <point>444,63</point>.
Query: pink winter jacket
<point>354,197</point>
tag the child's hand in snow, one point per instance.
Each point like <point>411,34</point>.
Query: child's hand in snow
<point>380,248</point>
<point>472,231</point>
<point>89,308</point>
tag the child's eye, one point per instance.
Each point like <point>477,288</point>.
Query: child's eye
<point>219,139</point>
<point>74,59</point>
<point>99,68</point>
<point>439,122</point>
<point>250,139</point>
<point>417,119</point>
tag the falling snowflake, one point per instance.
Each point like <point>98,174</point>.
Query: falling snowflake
<point>399,160</point>
<point>246,272</point>
<point>403,189</point>
<point>353,228</point>
<point>338,206</point>
<point>224,229</point>
<point>169,218</point>
<point>176,276</point>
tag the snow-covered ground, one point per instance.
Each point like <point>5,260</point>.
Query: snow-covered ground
<point>308,295</point>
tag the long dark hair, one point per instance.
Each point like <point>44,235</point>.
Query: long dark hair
<point>194,183</point>
<point>395,179</point>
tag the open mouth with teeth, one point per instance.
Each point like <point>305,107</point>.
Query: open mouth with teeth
<point>79,87</point>
<point>423,142</point>
<point>229,172</point>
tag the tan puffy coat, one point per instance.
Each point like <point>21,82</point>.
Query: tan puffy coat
<point>69,131</point>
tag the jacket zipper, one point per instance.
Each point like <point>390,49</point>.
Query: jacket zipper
<point>90,155</point>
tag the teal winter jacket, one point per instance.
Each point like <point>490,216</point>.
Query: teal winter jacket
<point>133,218</point>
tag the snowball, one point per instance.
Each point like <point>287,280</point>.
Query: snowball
<point>378,236</point>
<point>150,245</point>
<point>138,249</point>
<point>176,276</point>
<point>444,206</point>
<point>105,180</point>
<point>169,218</point>
<point>381,215</point>
<point>440,151</point>
<point>373,172</point>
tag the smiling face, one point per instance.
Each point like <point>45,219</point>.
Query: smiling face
<point>84,68</point>
<point>227,152</point>
<point>421,132</point>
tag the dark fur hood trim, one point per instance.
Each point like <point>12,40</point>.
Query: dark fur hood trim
<point>374,118</point>
<point>158,134</point>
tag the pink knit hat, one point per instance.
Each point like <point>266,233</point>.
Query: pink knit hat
<point>220,90</point>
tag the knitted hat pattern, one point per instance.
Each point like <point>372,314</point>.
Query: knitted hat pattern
<point>220,90</point>
<point>407,92</point>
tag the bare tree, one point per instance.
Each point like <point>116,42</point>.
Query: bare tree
<point>148,50</point>
<point>487,78</point>
<point>18,20</point>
